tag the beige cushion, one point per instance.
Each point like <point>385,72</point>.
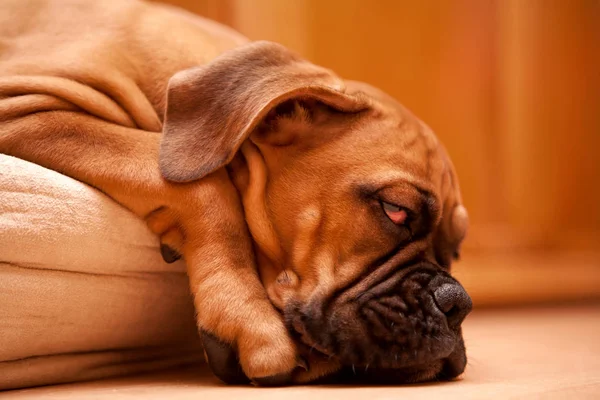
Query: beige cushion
<point>84,292</point>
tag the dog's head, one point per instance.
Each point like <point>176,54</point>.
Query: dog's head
<point>352,204</point>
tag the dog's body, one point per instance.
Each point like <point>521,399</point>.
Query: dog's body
<point>87,88</point>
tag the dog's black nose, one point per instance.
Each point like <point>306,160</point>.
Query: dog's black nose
<point>454,302</point>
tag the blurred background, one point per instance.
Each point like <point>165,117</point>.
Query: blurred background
<point>511,87</point>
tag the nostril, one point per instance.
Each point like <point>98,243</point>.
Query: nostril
<point>454,302</point>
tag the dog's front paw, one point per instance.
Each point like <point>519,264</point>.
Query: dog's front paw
<point>261,360</point>
<point>268,359</point>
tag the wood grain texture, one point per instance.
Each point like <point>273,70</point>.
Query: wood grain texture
<point>550,103</point>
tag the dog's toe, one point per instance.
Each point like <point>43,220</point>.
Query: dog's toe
<point>223,361</point>
<point>283,379</point>
<point>168,254</point>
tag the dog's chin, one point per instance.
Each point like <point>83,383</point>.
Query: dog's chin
<point>440,370</point>
<point>326,369</point>
<point>376,376</point>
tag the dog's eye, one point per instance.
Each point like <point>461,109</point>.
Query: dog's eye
<point>395,213</point>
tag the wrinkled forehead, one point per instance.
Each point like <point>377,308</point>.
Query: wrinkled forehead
<point>398,146</point>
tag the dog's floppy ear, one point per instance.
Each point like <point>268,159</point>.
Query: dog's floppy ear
<point>454,224</point>
<point>212,109</point>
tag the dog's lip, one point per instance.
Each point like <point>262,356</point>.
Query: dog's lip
<point>312,351</point>
<point>306,344</point>
<point>387,376</point>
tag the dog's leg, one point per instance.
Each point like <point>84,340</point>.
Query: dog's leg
<point>123,163</point>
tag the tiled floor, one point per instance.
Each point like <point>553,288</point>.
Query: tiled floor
<point>524,353</point>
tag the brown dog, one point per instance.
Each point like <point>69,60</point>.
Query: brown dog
<point>270,173</point>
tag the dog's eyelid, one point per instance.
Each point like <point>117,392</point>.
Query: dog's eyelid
<point>399,215</point>
<point>404,197</point>
<point>396,205</point>
<point>387,206</point>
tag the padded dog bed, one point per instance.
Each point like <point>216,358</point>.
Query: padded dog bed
<point>84,292</point>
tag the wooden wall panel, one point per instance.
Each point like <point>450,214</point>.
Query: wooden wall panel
<point>550,119</point>
<point>267,19</point>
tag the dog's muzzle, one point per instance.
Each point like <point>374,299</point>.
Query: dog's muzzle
<point>407,325</point>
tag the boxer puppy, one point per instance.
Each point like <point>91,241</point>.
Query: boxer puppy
<point>317,217</point>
